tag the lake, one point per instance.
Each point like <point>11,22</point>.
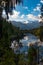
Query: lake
<point>27,39</point>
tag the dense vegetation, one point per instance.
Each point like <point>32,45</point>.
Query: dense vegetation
<point>7,55</point>
<point>32,55</point>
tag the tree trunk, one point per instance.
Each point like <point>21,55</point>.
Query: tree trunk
<point>1,22</point>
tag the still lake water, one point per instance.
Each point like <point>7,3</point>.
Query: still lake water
<point>27,39</point>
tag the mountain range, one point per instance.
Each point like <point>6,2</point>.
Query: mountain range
<point>27,26</point>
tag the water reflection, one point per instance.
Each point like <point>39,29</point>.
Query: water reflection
<point>27,39</point>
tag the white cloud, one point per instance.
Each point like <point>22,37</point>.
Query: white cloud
<point>39,17</point>
<point>34,9</point>
<point>25,7</point>
<point>32,17</point>
<point>37,8</point>
<point>22,16</point>
<point>41,1</point>
<point>15,14</point>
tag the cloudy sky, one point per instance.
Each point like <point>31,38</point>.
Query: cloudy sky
<point>29,11</point>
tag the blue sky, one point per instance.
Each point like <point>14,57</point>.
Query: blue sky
<point>29,11</point>
<point>28,6</point>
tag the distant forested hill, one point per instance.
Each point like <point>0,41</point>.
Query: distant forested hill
<point>38,32</point>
